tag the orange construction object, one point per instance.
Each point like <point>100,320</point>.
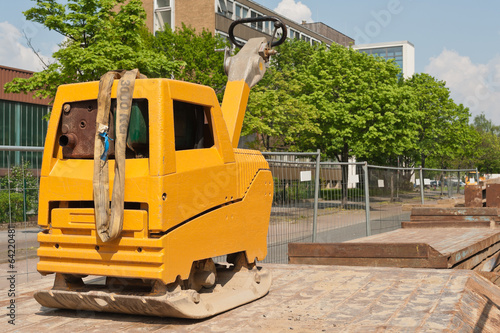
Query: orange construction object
<point>189,195</point>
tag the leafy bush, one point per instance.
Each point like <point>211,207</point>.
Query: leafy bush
<point>16,205</point>
<point>20,180</point>
<point>292,190</point>
<point>353,194</point>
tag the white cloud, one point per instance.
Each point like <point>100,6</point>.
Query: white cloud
<point>12,51</point>
<point>477,86</point>
<point>295,11</point>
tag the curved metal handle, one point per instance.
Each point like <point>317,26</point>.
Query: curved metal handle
<point>277,24</point>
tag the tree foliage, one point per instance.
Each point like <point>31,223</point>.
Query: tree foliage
<point>486,155</point>
<point>484,125</point>
<point>363,111</point>
<point>201,64</point>
<point>278,111</point>
<point>344,102</point>
<point>443,131</point>
<point>99,35</point>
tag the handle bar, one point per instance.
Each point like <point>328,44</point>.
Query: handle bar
<point>277,24</point>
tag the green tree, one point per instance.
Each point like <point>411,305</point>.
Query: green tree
<point>363,110</point>
<point>352,104</point>
<point>278,112</point>
<point>100,35</point>
<point>486,156</point>
<point>484,125</point>
<point>201,63</point>
<point>444,134</point>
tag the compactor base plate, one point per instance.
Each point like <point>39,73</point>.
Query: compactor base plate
<point>234,287</point>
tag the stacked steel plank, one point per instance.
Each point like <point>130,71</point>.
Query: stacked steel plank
<point>445,238</point>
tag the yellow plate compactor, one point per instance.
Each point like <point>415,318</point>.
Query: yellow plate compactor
<point>142,183</point>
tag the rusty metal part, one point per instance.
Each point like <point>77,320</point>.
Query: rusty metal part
<point>78,130</point>
<point>234,287</point>
<point>493,195</point>
<point>445,224</point>
<point>452,218</point>
<point>203,275</point>
<point>474,196</point>
<point>417,255</point>
<point>417,211</point>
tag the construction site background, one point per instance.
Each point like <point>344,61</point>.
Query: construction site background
<point>308,204</point>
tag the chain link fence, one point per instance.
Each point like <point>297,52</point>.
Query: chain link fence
<point>19,190</point>
<point>354,199</point>
<point>313,201</point>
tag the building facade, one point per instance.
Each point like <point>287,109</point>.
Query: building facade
<point>21,122</point>
<point>402,52</point>
<point>217,15</point>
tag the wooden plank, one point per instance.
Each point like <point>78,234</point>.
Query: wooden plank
<point>444,224</point>
<point>444,240</point>
<point>431,262</point>
<point>455,211</point>
<point>473,195</point>
<point>462,248</point>
<point>491,263</point>
<point>472,249</point>
<point>481,259</point>
<point>417,255</point>
<point>356,250</point>
<point>461,218</point>
<point>493,195</point>
<point>494,277</point>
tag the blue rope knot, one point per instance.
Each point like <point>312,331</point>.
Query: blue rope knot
<point>104,155</point>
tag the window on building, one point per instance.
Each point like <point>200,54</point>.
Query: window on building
<point>256,25</point>
<point>240,11</point>
<point>226,8</point>
<point>163,14</point>
<point>230,8</point>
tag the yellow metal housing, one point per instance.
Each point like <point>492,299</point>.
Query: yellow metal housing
<point>180,205</point>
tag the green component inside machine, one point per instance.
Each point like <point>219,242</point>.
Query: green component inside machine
<point>138,127</point>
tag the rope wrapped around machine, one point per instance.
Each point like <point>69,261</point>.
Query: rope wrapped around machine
<point>109,222</point>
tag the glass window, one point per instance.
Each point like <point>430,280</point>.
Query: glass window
<point>266,26</point>
<point>225,7</point>
<point>163,15</point>
<point>237,11</point>
<point>253,15</point>
<point>192,126</point>
<point>162,3</point>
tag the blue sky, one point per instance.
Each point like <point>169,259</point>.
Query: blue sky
<point>472,28</point>
<point>456,41</point>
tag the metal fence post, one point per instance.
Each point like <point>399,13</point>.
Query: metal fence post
<point>449,184</point>
<point>367,200</point>
<point>421,185</point>
<point>8,189</point>
<point>316,196</point>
